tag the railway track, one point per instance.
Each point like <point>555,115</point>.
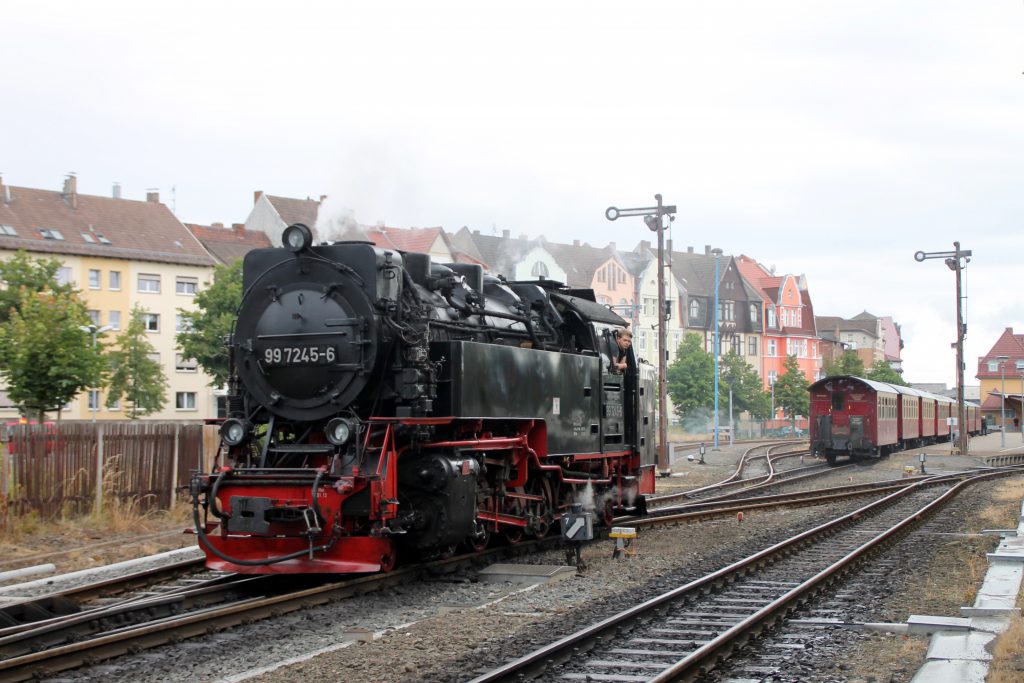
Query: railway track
<point>61,642</point>
<point>686,631</point>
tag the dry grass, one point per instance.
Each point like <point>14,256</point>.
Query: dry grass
<point>1008,654</point>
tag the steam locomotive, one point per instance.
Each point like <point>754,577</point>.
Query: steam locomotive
<point>382,406</point>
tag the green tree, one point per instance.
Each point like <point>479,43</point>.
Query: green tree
<point>134,374</point>
<point>847,364</point>
<point>212,321</point>
<point>747,390</point>
<point>690,377</point>
<point>791,390</point>
<point>23,275</point>
<point>45,358</point>
<point>881,371</point>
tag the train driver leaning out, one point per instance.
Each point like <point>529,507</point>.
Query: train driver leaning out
<point>624,339</point>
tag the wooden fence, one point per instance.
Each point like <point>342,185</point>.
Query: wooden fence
<point>75,468</point>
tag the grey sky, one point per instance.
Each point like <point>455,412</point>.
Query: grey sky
<point>826,138</point>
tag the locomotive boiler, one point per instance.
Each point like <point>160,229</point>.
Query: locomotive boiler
<point>382,406</point>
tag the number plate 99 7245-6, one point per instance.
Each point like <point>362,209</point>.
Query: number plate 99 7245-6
<point>319,354</point>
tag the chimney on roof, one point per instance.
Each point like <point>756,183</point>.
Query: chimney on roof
<point>322,198</point>
<point>575,243</point>
<point>611,245</point>
<point>153,195</point>
<point>506,234</point>
<point>476,232</point>
<point>645,244</point>
<point>219,226</point>
<point>238,229</point>
<point>5,192</point>
<point>707,250</point>
<point>70,193</point>
<point>689,250</point>
<point>256,196</point>
<point>116,192</point>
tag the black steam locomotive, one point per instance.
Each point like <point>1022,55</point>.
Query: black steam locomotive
<point>383,405</point>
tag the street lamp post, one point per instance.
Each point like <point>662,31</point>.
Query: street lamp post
<point>1002,400</point>
<point>714,342</point>
<point>956,261</point>
<point>95,332</point>
<point>654,219</point>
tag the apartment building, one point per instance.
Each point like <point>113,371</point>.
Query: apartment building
<point>118,252</point>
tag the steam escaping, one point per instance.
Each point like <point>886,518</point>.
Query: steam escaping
<point>336,222</point>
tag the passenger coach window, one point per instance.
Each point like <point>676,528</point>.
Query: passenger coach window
<point>837,401</point>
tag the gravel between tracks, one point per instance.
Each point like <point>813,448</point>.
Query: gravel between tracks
<point>447,630</point>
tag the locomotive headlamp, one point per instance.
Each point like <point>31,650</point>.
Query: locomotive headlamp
<point>338,431</point>
<point>297,237</point>
<point>234,431</point>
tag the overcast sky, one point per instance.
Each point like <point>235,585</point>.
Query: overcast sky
<point>832,139</point>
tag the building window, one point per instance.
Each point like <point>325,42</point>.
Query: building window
<point>149,284</point>
<point>94,279</point>
<point>186,286</point>
<point>94,316</point>
<point>63,276</point>
<point>751,346</point>
<point>8,230</point>
<point>676,340</point>
<point>155,357</point>
<point>650,305</point>
<point>737,345</point>
<point>771,347</point>
<point>182,364</point>
<point>114,318</point>
<point>694,308</point>
<point>643,340</point>
<point>151,321</point>
<point>600,275</point>
<point>771,316</point>
<point>116,405</point>
<point>114,278</point>
<point>185,400</point>
<point>540,269</point>
<point>182,324</point>
<point>753,313</point>
<point>94,399</point>
<point>771,377</point>
<point>51,234</point>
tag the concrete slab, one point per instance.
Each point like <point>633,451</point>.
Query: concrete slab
<point>960,646</point>
<point>951,672</point>
<point>920,624</point>
<point>525,573</point>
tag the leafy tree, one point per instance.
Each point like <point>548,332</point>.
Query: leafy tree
<point>747,390</point>
<point>23,275</point>
<point>45,358</point>
<point>212,321</point>
<point>881,371</point>
<point>690,377</point>
<point>791,390</point>
<point>847,364</point>
<point>134,374</point>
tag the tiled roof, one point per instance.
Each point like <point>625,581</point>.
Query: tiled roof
<point>500,254</point>
<point>580,262</point>
<point>229,244</point>
<point>830,323</point>
<point>1010,345</point>
<point>97,226</point>
<point>411,239</point>
<point>295,210</point>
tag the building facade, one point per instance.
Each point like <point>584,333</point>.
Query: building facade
<point>118,253</point>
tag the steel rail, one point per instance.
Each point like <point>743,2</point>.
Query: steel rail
<point>708,654</point>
